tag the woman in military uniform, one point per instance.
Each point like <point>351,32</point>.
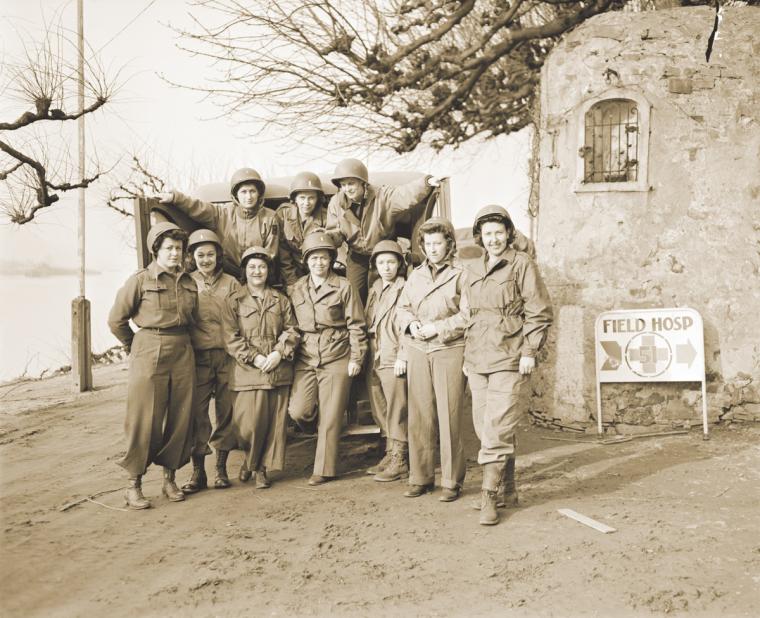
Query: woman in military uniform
<point>163,301</point>
<point>333,345</point>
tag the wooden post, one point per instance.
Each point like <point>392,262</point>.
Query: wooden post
<point>81,356</point>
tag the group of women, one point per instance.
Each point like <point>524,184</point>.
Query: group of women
<point>264,354</point>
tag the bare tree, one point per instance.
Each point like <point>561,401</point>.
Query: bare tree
<point>393,73</point>
<point>35,159</point>
<point>138,182</point>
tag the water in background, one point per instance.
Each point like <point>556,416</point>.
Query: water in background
<point>35,330</point>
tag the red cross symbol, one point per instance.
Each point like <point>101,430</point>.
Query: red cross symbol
<point>648,355</point>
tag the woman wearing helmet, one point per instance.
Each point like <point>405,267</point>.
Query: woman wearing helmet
<point>211,360</point>
<point>432,311</point>
<point>333,345</point>
<point>361,215</point>
<point>246,224</point>
<point>163,301</point>
<point>386,370</point>
<point>305,213</point>
<point>510,313</point>
<point>261,336</point>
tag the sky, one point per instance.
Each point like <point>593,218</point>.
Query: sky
<point>180,133</point>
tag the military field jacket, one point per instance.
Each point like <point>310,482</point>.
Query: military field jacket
<point>388,341</point>
<point>237,229</point>
<point>294,231</point>
<point>259,326</point>
<point>437,300</point>
<point>206,333</point>
<point>153,298</point>
<point>509,313</point>
<point>331,321</point>
<point>380,210</point>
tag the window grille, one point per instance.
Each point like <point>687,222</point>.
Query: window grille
<point>611,146</point>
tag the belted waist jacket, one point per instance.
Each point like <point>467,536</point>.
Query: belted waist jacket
<point>382,322</point>
<point>330,319</point>
<point>253,326</point>
<point>237,228</point>
<point>206,333</point>
<point>435,299</point>
<point>509,313</point>
<point>154,298</point>
<point>379,211</point>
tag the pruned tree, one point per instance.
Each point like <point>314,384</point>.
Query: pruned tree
<point>138,182</point>
<point>40,92</point>
<point>395,73</point>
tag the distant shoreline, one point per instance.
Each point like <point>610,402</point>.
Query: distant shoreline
<point>40,269</point>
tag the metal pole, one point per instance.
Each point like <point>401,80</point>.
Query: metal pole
<point>81,348</point>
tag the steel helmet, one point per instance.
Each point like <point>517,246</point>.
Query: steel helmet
<point>350,168</point>
<point>387,246</point>
<point>255,252</point>
<point>246,174</point>
<point>305,181</point>
<point>198,237</point>
<point>315,241</point>
<point>155,232</point>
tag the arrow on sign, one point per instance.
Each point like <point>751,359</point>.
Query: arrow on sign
<point>686,353</point>
<point>614,355</point>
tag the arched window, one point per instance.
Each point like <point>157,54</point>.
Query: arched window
<point>610,150</point>
<point>613,136</point>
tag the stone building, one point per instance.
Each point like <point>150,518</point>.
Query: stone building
<point>649,196</point>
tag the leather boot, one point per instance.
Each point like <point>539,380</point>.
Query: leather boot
<point>198,480</point>
<point>262,480</point>
<point>488,514</point>
<point>493,480</point>
<point>398,466</point>
<point>383,463</point>
<point>506,495</point>
<point>133,496</point>
<point>222,481</point>
<point>170,489</point>
<point>245,474</point>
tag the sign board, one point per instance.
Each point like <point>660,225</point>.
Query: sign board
<point>650,345</point>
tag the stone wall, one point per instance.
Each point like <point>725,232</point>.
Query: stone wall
<point>691,237</point>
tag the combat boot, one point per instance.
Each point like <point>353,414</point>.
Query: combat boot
<point>398,465</point>
<point>488,514</point>
<point>383,463</point>
<point>506,494</point>
<point>222,481</point>
<point>133,496</point>
<point>198,479</point>
<point>262,480</point>
<point>170,489</point>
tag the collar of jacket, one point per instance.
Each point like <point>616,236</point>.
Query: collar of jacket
<point>155,270</point>
<point>383,306</point>
<point>480,269</point>
<point>369,195</point>
<point>292,214</point>
<point>329,285</point>
<point>202,281</point>
<point>244,212</point>
<point>433,284</point>
<point>244,297</point>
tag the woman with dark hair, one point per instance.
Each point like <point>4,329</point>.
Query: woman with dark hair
<point>432,311</point>
<point>261,336</point>
<point>306,212</point>
<point>334,341</point>
<point>510,315</point>
<point>163,301</point>
<point>212,364</point>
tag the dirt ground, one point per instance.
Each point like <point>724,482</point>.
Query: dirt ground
<point>687,514</point>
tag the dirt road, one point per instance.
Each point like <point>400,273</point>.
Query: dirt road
<point>687,514</point>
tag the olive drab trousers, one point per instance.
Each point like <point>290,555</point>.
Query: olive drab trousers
<point>387,398</point>
<point>160,389</point>
<point>211,380</point>
<point>259,424</point>
<point>436,390</point>
<point>329,385</point>
<point>497,407</point>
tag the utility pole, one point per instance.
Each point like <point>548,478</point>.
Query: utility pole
<point>81,345</point>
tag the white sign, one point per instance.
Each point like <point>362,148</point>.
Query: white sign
<point>650,345</point>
